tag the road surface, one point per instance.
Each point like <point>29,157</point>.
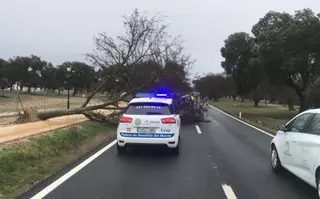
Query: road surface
<point>220,159</point>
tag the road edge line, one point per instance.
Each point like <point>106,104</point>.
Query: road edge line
<point>256,128</point>
<point>73,171</point>
<point>198,129</point>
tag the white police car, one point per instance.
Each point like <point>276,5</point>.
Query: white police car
<point>149,119</point>
<point>296,147</point>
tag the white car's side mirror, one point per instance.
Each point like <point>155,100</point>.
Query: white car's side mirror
<point>282,127</point>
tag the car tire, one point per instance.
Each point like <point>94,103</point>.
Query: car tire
<point>121,149</point>
<point>274,160</point>
<point>318,184</point>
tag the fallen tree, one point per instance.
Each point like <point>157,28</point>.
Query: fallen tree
<point>145,40</point>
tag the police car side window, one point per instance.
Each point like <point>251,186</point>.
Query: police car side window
<point>314,126</point>
<point>298,124</point>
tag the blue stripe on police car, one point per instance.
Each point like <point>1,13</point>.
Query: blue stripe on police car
<point>147,135</point>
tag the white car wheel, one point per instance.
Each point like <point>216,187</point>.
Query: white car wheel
<point>318,184</point>
<point>275,161</point>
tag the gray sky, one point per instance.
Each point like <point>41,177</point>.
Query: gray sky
<point>62,30</point>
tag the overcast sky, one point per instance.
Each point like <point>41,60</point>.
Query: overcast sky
<point>62,30</point>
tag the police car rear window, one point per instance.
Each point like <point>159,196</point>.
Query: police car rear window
<point>148,109</point>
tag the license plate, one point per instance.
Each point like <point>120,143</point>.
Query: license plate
<point>146,130</point>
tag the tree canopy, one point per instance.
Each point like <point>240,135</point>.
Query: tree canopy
<point>214,86</point>
<point>284,48</point>
<point>241,62</point>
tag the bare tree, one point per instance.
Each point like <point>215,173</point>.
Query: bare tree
<point>144,39</point>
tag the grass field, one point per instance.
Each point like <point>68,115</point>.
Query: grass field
<point>24,163</point>
<point>265,117</point>
<point>39,100</point>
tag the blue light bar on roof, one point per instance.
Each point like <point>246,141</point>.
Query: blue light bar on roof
<point>161,95</point>
<point>145,95</point>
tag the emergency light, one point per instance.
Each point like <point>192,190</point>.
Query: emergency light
<point>145,95</point>
<point>159,95</point>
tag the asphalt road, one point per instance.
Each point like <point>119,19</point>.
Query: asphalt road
<point>227,159</point>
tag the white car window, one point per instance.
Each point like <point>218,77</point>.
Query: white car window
<point>298,124</point>
<point>314,126</point>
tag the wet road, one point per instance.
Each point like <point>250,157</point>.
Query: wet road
<point>220,159</point>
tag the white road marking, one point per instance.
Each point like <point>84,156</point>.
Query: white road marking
<point>73,171</point>
<point>198,129</point>
<point>262,131</point>
<point>228,191</point>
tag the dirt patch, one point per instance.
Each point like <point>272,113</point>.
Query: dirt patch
<point>25,140</point>
<point>5,121</point>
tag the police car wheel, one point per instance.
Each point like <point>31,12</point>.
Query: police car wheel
<point>274,160</point>
<point>121,149</point>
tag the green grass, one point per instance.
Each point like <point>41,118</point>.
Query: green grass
<point>265,117</point>
<point>25,163</point>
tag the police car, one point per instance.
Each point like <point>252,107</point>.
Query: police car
<point>149,119</point>
<point>296,147</point>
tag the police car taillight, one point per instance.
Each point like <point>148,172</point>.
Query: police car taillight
<point>168,120</point>
<point>125,119</point>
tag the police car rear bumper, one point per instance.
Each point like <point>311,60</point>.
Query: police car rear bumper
<point>170,139</point>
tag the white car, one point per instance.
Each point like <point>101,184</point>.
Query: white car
<point>296,147</point>
<point>149,121</point>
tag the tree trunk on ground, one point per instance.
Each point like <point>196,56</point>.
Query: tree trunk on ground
<point>74,91</point>
<point>21,87</point>
<point>242,98</point>
<point>11,88</point>
<point>59,92</point>
<point>234,97</point>
<point>85,110</point>
<point>29,89</point>
<point>48,115</point>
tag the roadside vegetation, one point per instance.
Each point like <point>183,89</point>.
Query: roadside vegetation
<point>266,117</point>
<point>27,162</point>
<point>279,62</point>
